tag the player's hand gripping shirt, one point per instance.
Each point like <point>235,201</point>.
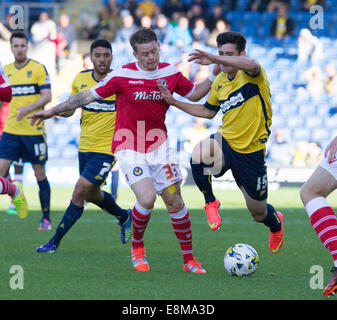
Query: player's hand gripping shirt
<point>26,82</point>
<point>140,120</point>
<point>5,87</point>
<point>246,107</point>
<point>97,119</point>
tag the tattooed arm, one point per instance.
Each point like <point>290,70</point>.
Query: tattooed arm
<point>76,101</point>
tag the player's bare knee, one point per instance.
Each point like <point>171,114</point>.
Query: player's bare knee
<point>304,193</point>
<point>307,193</point>
<point>93,195</point>
<point>84,192</point>
<point>174,203</point>
<point>147,199</point>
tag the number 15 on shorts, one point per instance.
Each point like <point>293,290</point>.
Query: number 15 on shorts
<point>261,184</point>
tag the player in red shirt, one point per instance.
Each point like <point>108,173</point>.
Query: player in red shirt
<point>314,193</point>
<point>5,97</point>
<point>140,142</point>
<point>14,190</point>
<point>5,87</point>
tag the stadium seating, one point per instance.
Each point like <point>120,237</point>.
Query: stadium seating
<point>301,117</point>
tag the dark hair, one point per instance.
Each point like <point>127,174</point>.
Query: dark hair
<point>100,43</point>
<point>141,36</point>
<point>18,34</point>
<point>232,37</point>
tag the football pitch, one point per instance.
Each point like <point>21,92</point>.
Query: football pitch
<point>91,263</point>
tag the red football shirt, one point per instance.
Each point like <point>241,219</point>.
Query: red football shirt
<point>140,119</point>
<point>5,87</point>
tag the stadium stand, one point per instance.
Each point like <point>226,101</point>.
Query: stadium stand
<point>298,113</point>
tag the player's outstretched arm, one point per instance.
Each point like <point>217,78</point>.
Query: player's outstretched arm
<point>40,103</point>
<point>76,101</point>
<point>238,62</point>
<point>202,57</point>
<point>197,110</point>
<point>203,87</point>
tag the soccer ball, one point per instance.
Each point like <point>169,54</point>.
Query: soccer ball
<point>241,260</point>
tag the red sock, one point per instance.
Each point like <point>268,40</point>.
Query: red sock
<point>140,219</point>
<point>7,187</point>
<point>324,222</point>
<point>181,224</point>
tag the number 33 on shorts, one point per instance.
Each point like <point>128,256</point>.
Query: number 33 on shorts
<point>171,171</point>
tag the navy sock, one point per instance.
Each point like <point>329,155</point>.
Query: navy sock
<point>44,194</point>
<point>109,205</point>
<point>72,214</point>
<point>271,220</point>
<point>203,181</point>
<point>114,183</point>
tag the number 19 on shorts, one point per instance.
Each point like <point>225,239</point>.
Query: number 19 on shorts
<point>40,150</point>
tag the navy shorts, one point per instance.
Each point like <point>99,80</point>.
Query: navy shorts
<point>31,149</point>
<point>249,169</point>
<point>95,166</point>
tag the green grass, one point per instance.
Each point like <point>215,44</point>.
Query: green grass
<point>91,263</point>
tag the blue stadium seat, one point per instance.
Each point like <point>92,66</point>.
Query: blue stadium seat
<point>322,110</point>
<point>264,29</point>
<point>251,16</point>
<point>54,152</point>
<point>250,30</point>
<point>301,17</point>
<point>333,30</point>
<point>331,5</point>
<point>307,109</point>
<point>313,121</point>
<point>325,32</point>
<point>330,16</point>
<point>319,134</point>
<point>333,133</point>
<point>278,121</point>
<point>256,52</point>
<point>330,122</point>
<point>267,17</point>
<point>242,5</point>
<point>69,152</point>
<point>276,109</point>
<point>211,3</point>
<point>282,98</point>
<point>286,76</point>
<point>294,121</point>
<point>234,16</point>
<point>60,128</point>
<point>295,5</point>
<point>301,134</point>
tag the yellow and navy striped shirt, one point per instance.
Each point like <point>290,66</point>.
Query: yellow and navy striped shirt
<point>246,106</point>
<point>27,83</point>
<point>97,119</point>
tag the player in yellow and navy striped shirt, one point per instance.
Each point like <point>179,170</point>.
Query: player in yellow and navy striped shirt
<point>95,156</point>
<point>241,92</point>
<point>30,92</point>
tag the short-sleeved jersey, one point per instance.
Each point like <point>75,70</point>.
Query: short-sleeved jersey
<point>97,119</point>
<point>5,87</point>
<point>246,107</point>
<point>141,110</point>
<point>27,83</point>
